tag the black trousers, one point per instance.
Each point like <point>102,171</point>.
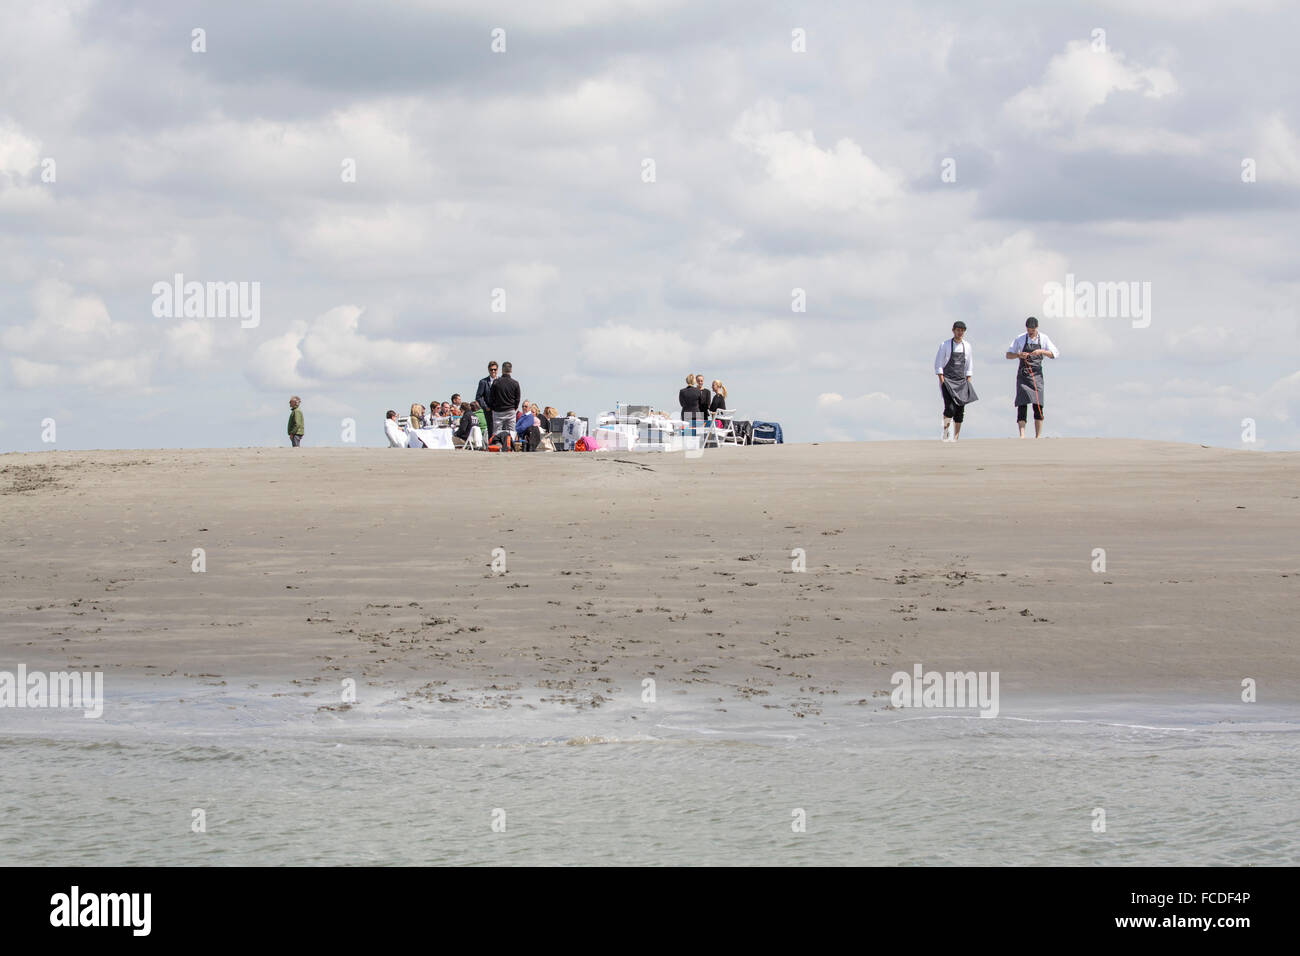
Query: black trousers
<point>951,409</point>
<point>1022,413</point>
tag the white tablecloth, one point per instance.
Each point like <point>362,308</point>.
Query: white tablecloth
<point>655,434</point>
<point>435,437</point>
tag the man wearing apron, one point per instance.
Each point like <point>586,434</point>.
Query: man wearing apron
<point>1029,350</point>
<point>954,365</point>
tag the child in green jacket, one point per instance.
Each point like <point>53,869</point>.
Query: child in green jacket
<point>295,421</point>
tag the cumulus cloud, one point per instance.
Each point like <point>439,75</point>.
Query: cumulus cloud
<point>332,349</point>
<point>842,178</point>
<point>189,343</point>
<point>19,153</point>
<point>72,340</point>
<point>1077,81</point>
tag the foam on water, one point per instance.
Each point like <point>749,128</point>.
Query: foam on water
<point>687,779</point>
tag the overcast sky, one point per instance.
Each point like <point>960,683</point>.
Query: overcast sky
<point>126,158</point>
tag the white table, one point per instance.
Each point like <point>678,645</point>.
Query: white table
<point>628,436</point>
<point>438,438</point>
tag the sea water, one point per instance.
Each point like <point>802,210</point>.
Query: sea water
<point>193,774</point>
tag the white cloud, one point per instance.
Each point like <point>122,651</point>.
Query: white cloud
<point>800,172</point>
<point>1079,80</point>
<point>738,345</point>
<point>189,343</point>
<point>72,339</point>
<point>557,15</point>
<point>65,323</point>
<point>19,154</point>
<point>1279,158</point>
<point>618,348</point>
<point>130,372</point>
<point>1207,343</point>
<point>872,417</point>
<point>331,349</point>
<point>274,363</point>
<point>613,349</point>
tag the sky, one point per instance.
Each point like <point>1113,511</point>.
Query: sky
<point>798,199</point>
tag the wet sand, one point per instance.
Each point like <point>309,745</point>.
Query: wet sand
<point>376,564</point>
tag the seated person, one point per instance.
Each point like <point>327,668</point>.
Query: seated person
<point>544,418</point>
<point>396,437</point>
<point>480,415</point>
<point>468,431</point>
<point>574,428</point>
<point>527,430</point>
<point>414,422</point>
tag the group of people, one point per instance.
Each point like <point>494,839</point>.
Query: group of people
<point>697,403</point>
<point>954,364</point>
<point>498,415</point>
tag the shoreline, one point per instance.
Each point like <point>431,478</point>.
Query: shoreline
<point>141,709</point>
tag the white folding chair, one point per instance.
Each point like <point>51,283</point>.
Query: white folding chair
<point>469,444</point>
<point>726,434</point>
<point>709,433</point>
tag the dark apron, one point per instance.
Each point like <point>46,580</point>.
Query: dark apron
<point>1029,378</point>
<point>954,378</point>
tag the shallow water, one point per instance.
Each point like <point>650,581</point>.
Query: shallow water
<point>678,782</point>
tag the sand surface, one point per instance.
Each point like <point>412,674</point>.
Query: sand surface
<point>376,564</point>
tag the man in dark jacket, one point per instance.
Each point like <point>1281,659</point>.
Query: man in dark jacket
<point>689,400</point>
<point>484,393</point>
<point>504,401</point>
<point>705,396</point>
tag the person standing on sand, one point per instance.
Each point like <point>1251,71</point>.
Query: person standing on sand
<point>689,400</point>
<point>504,402</point>
<point>954,363</point>
<point>1030,349</point>
<point>705,397</point>
<point>296,429</point>
<point>484,394</point>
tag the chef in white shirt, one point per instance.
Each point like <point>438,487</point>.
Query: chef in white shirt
<point>1029,350</point>
<point>396,437</point>
<point>954,364</point>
